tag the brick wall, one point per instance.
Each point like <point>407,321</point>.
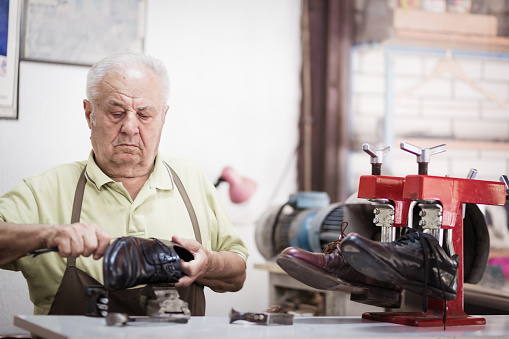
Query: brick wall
<point>446,109</point>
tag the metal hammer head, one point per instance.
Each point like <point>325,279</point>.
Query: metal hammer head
<point>116,319</point>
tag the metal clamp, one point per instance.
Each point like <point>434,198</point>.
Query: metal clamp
<point>384,218</point>
<point>431,218</point>
<point>96,304</point>
<point>162,305</point>
<point>162,301</point>
<point>377,157</point>
<point>423,154</point>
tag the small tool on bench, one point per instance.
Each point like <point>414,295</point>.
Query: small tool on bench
<point>122,319</point>
<point>262,318</point>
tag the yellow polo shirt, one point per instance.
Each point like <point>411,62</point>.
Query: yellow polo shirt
<point>158,211</point>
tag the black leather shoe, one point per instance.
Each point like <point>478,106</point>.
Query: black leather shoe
<point>416,262</point>
<point>330,271</point>
<point>131,261</point>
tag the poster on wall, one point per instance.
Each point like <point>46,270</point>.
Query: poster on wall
<point>10,21</point>
<point>81,32</point>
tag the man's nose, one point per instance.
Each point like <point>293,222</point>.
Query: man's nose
<point>130,124</point>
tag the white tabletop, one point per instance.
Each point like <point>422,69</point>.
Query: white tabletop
<point>77,327</point>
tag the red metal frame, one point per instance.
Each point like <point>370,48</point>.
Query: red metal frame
<point>451,193</point>
<point>384,187</point>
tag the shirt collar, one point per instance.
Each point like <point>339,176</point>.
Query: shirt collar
<point>160,177</point>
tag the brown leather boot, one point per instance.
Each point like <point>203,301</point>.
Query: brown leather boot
<point>330,271</point>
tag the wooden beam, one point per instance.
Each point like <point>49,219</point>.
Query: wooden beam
<point>330,25</point>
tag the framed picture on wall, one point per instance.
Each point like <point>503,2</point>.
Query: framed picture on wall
<point>81,32</point>
<point>10,22</point>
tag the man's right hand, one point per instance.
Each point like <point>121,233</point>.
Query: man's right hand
<point>16,240</point>
<point>78,239</point>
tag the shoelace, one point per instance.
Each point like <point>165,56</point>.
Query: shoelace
<point>166,268</point>
<point>426,245</point>
<point>333,245</point>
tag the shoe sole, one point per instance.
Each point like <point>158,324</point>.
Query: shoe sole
<point>315,277</point>
<point>351,252</point>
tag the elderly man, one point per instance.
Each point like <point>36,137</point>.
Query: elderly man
<point>125,188</point>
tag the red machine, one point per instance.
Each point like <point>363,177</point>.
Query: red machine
<point>441,200</point>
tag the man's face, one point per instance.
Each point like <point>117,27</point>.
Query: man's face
<point>126,122</point>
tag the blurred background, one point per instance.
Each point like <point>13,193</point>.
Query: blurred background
<point>285,92</point>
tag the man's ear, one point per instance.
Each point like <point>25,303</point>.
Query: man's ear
<point>165,113</point>
<point>87,106</point>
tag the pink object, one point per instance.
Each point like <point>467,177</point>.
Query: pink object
<point>502,262</point>
<point>241,189</point>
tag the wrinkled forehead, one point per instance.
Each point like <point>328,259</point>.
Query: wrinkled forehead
<point>133,84</point>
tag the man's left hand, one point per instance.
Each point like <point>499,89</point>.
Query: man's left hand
<point>222,271</point>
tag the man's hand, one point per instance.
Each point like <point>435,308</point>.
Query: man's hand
<point>196,268</point>
<point>221,271</point>
<point>17,240</point>
<point>78,239</point>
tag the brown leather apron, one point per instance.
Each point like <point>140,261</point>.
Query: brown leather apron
<point>70,298</point>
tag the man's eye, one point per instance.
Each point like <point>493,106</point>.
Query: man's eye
<point>144,116</point>
<point>117,114</point>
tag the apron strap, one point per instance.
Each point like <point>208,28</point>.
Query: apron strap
<point>76,207</point>
<point>187,202</point>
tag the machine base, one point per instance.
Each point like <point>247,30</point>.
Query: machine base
<point>421,319</point>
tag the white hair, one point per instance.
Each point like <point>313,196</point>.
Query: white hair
<point>122,61</point>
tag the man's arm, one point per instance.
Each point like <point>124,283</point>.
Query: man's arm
<point>221,271</point>
<point>71,240</point>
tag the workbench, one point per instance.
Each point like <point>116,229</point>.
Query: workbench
<point>80,327</point>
